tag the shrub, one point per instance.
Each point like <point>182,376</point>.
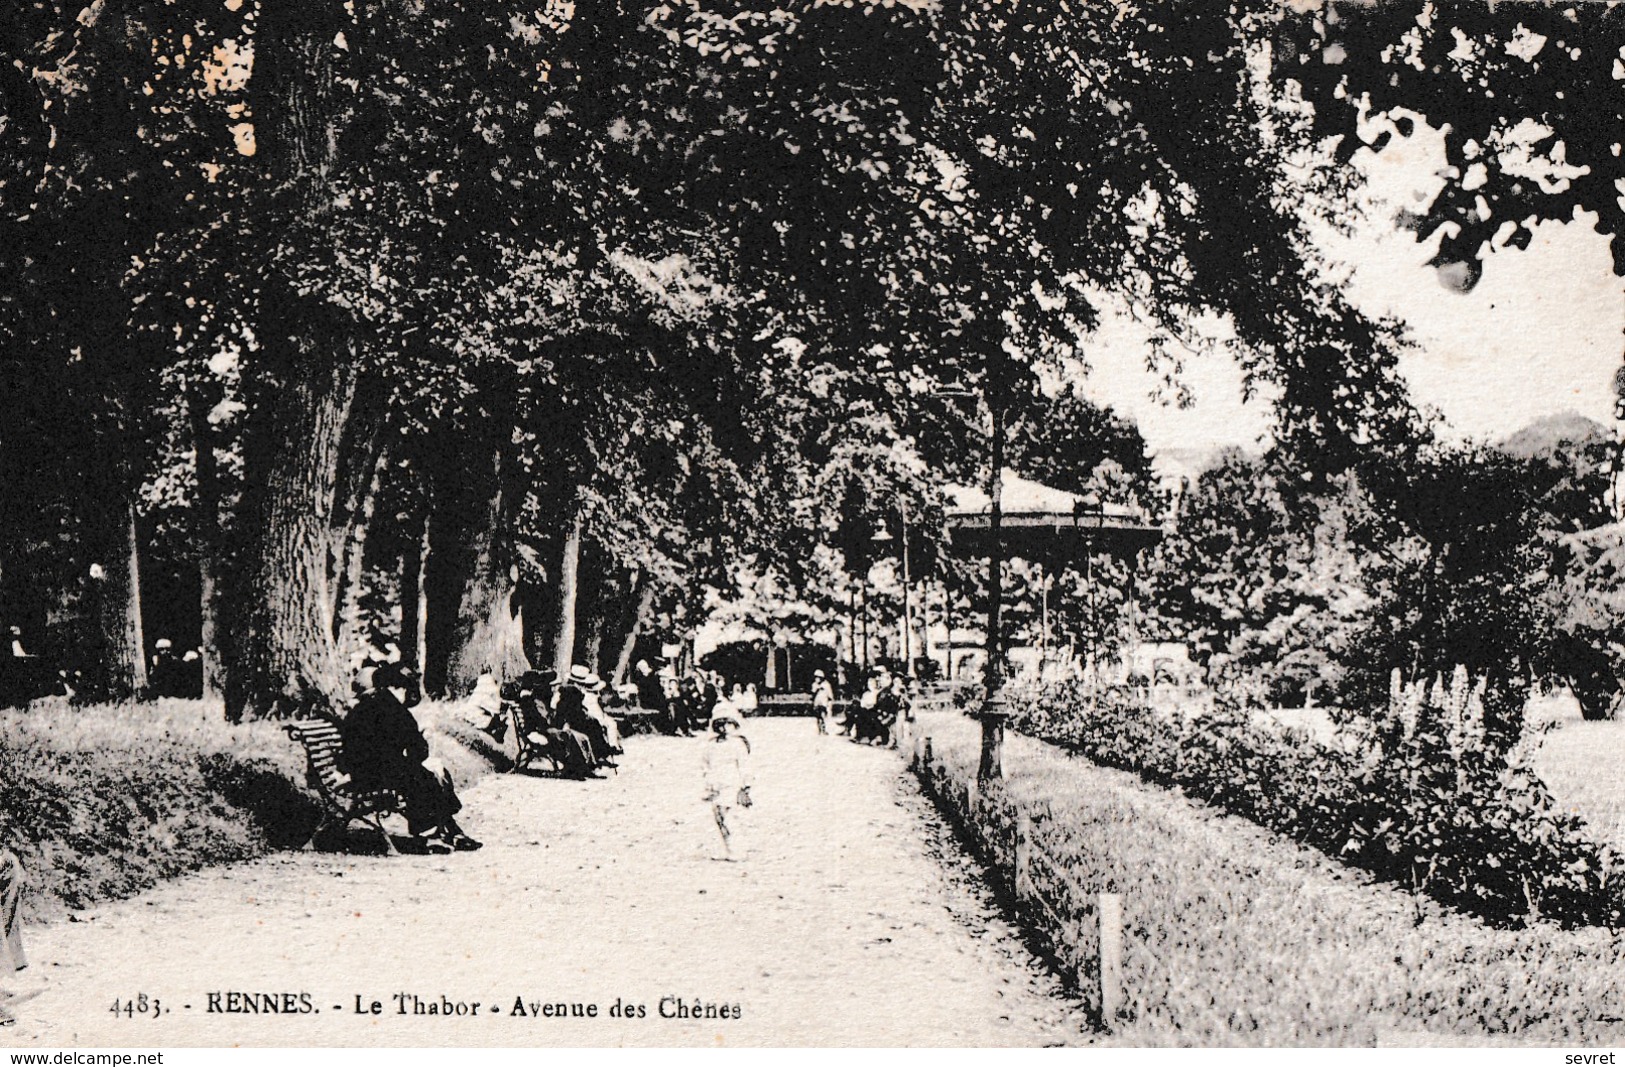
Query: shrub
<point>1424,794</point>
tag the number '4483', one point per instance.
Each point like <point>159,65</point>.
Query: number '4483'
<point>140,1004</point>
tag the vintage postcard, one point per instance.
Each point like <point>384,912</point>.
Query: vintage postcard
<point>903,523</point>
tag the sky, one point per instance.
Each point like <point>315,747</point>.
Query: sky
<point>1540,334</point>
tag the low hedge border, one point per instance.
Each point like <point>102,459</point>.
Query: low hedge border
<point>1419,794</point>
<point>1235,936</point>
<point>103,802</point>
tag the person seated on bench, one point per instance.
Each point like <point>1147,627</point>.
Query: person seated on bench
<point>569,750</point>
<point>651,690</point>
<point>385,749</point>
<point>577,709</point>
<point>11,935</point>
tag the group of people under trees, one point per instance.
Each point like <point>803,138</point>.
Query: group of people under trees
<point>879,716</point>
<point>686,703</point>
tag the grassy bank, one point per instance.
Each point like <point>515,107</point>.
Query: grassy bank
<point>1236,935</point>
<point>103,802</point>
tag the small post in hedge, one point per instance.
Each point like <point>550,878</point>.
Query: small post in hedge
<point>1024,837</point>
<point>1109,914</point>
<point>928,752</point>
<point>970,796</point>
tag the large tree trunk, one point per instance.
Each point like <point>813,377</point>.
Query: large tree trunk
<point>283,626</point>
<point>308,368</point>
<point>489,635</point>
<point>564,639</point>
<point>471,624</point>
<point>596,597</point>
<point>538,612</point>
<point>117,666</point>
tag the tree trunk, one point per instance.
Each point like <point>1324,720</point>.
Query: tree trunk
<point>122,658</point>
<point>412,599</point>
<point>284,623</point>
<point>595,591</point>
<point>465,499</point>
<point>640,619</point>
<point>206,511</point>
<point>363,460</point>
<point>564,640</point>
<point>281,628</point>
<point>538,612</point>
<point>488,635</point>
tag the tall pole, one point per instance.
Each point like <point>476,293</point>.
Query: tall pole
<point>863,609</point>
<point>925,619</point>
<point>1043,621</point>
<point>908,621</point>
<point>993,714</point>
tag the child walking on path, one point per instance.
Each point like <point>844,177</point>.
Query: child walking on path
<point>727,782</point>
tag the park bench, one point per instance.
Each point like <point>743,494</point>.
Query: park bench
<point>340,803</point>
<point>634,718</point>
<point>527,748</point>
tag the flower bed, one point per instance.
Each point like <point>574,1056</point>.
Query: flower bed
<point>1417,796</point>
<point>1234,935</point>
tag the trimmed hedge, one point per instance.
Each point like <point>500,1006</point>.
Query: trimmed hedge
<point>1235,936</point>
<point>1418,796</point>
<point>103,802</point>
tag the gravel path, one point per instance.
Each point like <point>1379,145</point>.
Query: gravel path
<point>855,920</point>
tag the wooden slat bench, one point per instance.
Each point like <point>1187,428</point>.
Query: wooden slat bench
<point>527,749</point>
<point>635,719</point>
<point>340,803</point>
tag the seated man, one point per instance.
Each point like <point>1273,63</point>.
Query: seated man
<point>384,749</point>
<point>11,936</point>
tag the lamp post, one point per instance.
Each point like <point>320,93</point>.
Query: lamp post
<point>994,710</point>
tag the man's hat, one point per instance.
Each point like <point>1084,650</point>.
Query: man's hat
<point>818,674</point>
<point>389,676</point>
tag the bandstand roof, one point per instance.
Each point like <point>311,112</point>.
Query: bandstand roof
<point>1043,524</point>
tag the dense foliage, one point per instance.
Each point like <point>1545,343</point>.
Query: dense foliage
<point>615,296</point>
<point>1421,794</point>
<point>1293,591</point>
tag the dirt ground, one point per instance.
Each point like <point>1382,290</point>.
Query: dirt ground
<point>855,920</point>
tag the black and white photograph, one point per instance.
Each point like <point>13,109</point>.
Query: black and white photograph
<point>835,523</point>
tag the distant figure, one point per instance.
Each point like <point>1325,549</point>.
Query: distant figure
<point>727,782</point>
<point>161,669</point>
<point>19,671</point>
<point>12,957</point>
<point>823,699</point>
<point>751,702</point>
<point>903,697</point>
<point>385,749</point>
